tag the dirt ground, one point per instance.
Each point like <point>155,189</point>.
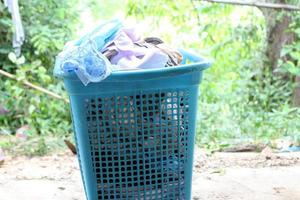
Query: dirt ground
<point>221,176</point>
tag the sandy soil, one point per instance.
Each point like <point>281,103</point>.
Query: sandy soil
<point>222,176</point>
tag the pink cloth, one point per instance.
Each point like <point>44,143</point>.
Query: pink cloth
<point>131,56</point>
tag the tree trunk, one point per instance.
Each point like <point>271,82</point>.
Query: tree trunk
<point>278,36</point>
<point>277,23</point>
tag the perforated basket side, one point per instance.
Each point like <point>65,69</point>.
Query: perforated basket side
<point>139,144</point>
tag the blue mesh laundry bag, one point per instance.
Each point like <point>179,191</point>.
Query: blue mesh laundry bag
<point>135,131</point>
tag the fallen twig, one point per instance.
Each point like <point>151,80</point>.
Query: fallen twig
<point>244,148</point>
<point>71,146</point>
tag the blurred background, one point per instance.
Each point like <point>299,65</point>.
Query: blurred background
<point>249,96</point>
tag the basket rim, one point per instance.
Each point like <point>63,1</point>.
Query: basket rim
<point>197,64</point>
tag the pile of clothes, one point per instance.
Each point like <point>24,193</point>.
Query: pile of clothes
<point>113,47</point>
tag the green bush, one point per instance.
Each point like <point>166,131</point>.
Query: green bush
<point>240,99</point>
<point>48,25</point>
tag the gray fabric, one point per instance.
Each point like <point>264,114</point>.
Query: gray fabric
<point>153,40</point>
<point>19,36</point>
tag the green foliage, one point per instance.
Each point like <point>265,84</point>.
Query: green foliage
<point>103,9</point>
<point>48,25</point>
<point>33,146</point>
<point>292,51</point>
<point>240,99</point>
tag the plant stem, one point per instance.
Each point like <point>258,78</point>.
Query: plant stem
<point>43,90</point>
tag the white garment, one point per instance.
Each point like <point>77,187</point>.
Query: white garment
<point>19,36</point>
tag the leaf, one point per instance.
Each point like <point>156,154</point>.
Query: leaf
<point>5,22</point>
<point>290,67</point>
<point>295,55</point>
<point>42,70</point>
<point>12,57</point>
<point>21,60</point>
<point>297,46</point>
<point>297,31</point>
<point>4,50</point>
<point>295,71</point>
<point>285,51</point>
<point>31,109</point>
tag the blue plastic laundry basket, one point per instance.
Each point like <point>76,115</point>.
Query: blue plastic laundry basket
<point>135,131</point>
